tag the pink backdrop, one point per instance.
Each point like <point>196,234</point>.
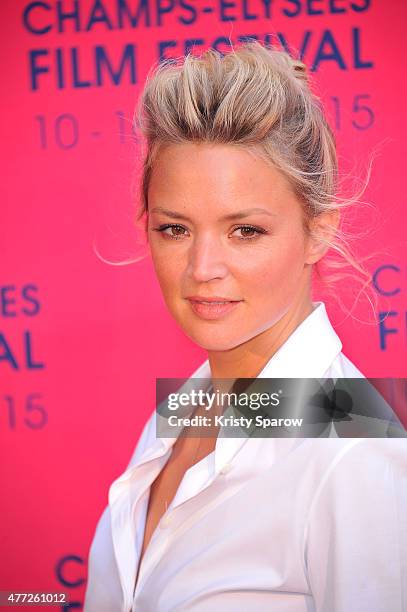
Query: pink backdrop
<point>81,341</point>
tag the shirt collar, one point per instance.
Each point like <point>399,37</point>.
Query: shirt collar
<point>309,351</point>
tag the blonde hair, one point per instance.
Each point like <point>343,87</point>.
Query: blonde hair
<point>260,99</point>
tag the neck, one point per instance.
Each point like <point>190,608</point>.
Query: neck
<point>248,359</point>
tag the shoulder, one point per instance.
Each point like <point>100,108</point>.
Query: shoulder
<point>338,455</point>
<point>372,456</point>
<point>356,473</point>
<point>360,494</point>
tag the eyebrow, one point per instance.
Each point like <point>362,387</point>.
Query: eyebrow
<point>237,215</point>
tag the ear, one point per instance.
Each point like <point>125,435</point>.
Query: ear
<point>322,231</point>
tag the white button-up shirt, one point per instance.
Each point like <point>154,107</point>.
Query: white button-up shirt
<point>262,524</point>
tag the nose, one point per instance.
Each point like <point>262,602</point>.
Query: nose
<point>206,259</point>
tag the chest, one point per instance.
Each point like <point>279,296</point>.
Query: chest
<point>186,452</point>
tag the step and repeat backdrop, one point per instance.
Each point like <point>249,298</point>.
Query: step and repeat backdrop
<point>82,336</point>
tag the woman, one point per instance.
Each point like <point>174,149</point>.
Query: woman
<point>238,191</point>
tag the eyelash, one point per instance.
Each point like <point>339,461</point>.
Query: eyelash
<point>258,231</point>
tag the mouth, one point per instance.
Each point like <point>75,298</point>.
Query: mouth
<point>212,308</point>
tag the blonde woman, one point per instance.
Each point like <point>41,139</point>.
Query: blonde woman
<point>239,196</point>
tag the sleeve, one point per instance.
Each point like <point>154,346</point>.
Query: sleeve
<point>103,590</point>
<point>356,534</point>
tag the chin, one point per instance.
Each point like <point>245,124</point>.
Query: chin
<point>212,339</point>
<point>216,335</point>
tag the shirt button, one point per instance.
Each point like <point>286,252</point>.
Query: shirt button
<point>226,468</point>
<point>165,521</point>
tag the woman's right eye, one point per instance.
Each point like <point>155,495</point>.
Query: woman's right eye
<point>176,231</point>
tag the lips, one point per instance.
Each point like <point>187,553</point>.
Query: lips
<point>212,301</point>
<point>211,308</point>
<point>216,298</point>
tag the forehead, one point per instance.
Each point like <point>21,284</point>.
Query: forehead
<point>217,175</point>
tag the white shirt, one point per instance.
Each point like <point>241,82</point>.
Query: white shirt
<point>274,524</point>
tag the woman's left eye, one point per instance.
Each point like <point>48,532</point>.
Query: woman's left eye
<point>249,232</point>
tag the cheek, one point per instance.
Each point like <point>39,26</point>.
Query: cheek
<point>276,266</point>
<point>167,269</point>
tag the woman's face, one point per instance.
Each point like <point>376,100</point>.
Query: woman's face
<point>224,225</point>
